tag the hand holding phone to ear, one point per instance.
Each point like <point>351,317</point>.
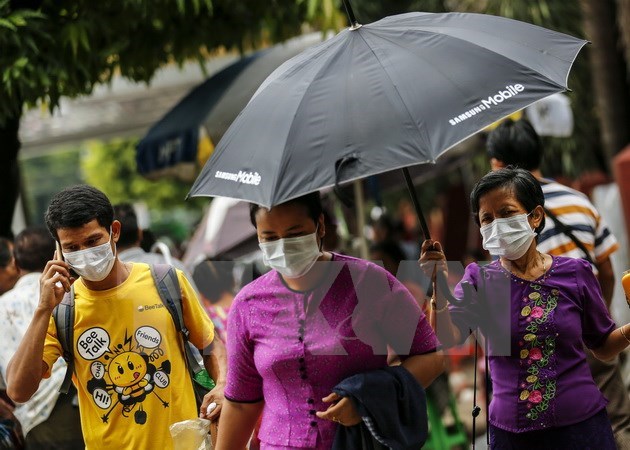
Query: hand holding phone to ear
<point>55,281</point>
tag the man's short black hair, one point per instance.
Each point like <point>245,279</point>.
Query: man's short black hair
<point>525,186</point>
<point>126,215</point>
<point>77,205</point>
<point>6,255</point>
<point>312,202</point>
<point>515,144</point>
<point>33,248</point>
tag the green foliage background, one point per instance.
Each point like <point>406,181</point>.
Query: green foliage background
<point>111,167</point>
<point>54,48</point>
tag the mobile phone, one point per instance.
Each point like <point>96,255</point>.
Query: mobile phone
<point>60,256</point>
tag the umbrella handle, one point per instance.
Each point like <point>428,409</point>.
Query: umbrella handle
<point>442,285</point>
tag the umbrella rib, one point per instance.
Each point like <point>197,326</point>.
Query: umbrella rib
<point>283,160</point>
<point>430,27</point>
<point>505,56</point>
<point>423,134</point>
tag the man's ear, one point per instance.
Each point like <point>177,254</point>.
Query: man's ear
<point>116,227</point>
<point>495,164</point>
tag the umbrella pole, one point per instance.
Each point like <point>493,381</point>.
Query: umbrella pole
<point>416,204</point>
<point>350,13</point>
<point>440,277</point>
<point>358,201</point>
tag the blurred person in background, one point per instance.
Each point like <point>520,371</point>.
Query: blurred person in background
<point>572,222</point>
<point>10,433</point>
<point>215,280</point>
<point>332,240</point>
<point>409,229</point>
<point>148,239</point>
<point>49,420</point>
<point>131,235</point>
<point>391,255</point>
<point>8,272</point>
<point>384,229</point>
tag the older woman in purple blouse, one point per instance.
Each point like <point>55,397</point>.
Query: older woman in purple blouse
<point>314,320</point>
<point>535,311</point>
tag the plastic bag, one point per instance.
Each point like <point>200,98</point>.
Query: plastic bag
<point>191,435</point>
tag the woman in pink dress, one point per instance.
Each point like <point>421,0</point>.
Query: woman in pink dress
<point>215,281</point>
<point>314,320</point>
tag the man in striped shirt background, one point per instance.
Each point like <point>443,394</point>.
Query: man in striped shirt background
<point>573,229</point>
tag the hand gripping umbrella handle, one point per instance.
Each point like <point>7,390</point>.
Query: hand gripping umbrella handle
<point>444,289</point>
<point>440,277</point>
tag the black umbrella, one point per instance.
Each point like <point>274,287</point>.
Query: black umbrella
<point>383,96</point>
<point>212,105</point>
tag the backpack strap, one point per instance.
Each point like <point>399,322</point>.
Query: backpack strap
<point>63,315</point>
<point>165,278</point>
<point>564,228</point>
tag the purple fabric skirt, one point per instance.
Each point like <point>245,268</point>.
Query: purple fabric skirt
<point>594,433</point>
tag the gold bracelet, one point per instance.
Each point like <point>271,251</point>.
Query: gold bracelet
<point>624,334</point>
<point>434,306</point>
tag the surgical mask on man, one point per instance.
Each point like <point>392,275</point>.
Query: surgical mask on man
<point>93,264</point>
<point>292,257</point>
<point>508,237</point>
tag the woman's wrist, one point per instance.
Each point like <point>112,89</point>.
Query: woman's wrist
<point>624,333</point>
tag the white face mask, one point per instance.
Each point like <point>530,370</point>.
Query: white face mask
<point>292,257</point>
<point>509,237</point>
<point>93,264</point>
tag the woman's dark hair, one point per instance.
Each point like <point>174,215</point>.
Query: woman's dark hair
<point>33,248</point>
<point>525,186</point>
<point>129,232</point>
<point>77,205</point>
<point>515,144</point>
<point>312,202</point>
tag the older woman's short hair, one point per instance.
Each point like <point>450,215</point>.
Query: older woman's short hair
<point>525,186</point>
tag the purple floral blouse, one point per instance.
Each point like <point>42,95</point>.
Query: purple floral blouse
<point>540,378</point>
<point>291,348</point>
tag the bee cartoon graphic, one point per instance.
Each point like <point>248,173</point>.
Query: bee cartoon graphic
<point>127,376</point>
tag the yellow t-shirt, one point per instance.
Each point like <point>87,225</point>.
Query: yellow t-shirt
<point>130,370</point>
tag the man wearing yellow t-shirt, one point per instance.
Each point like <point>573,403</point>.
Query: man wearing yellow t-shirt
<point>130,369</point>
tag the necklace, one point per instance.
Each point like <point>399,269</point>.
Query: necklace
<point>521,274</point>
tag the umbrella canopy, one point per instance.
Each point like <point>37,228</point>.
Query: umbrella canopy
<point>397,92</point>
<point>211,106</point>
